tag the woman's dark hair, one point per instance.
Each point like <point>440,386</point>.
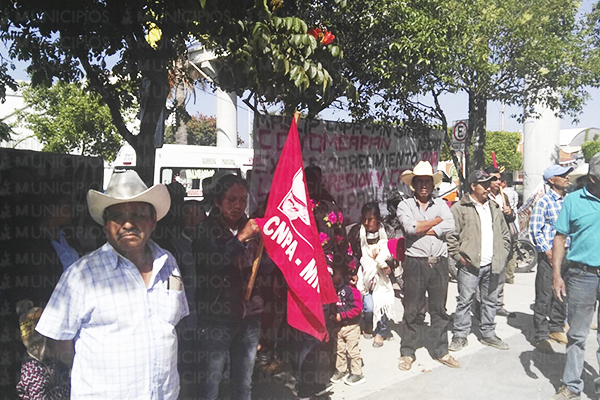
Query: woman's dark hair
<point>492,170</point>
<point>225,183</point>
<point>372,207</point>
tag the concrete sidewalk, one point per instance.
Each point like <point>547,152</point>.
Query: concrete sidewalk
<point>485,373</point>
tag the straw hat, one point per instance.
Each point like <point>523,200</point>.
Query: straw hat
<point>423,168</point>
<point>127,187</point>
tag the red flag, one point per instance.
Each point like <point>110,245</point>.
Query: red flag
<point>291,239</point>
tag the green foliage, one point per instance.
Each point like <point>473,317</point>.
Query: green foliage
<point>67,119</point>
<point>590,149</point>
<point>280,62</point>
<point>201,131</point>
<point>414,51</point>
<point>5,131</point>
<point>504,145</point>
<point>132,52</point>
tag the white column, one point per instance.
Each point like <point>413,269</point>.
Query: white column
<point>226,119</point>
<point>541,142</point>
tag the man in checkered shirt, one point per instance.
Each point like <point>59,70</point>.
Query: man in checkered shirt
<point>119,305</point>
<point>548,313</point>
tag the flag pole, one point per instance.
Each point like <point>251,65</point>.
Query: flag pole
<point>260,249</point>
<point>255,264</point>
<point>501,169</point>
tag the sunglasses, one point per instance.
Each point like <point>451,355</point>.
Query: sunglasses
<point>485,185</point>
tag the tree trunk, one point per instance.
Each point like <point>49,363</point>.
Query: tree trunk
<point>477,121</point>
<point>181,136</point>
<point>154,105</point>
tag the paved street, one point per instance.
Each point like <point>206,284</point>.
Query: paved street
<point>485,373</point>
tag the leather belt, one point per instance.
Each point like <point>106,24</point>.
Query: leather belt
<point>585,268</point>
<point>430,260</point>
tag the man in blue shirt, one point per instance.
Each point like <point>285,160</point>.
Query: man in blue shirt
<point>579,219</point>
<point>548,313</point>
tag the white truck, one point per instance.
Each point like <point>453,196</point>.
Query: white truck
<point>188,164</point>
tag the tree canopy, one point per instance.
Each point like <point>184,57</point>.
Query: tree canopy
<point>411,52</point>
<point>504,145</point>
<point>67,119</point>
<point>129,51</point>
<point>400,56</point>
<point>590,149</point>
<point>201,131</point>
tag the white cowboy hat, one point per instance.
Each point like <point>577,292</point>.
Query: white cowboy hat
<point>127,187</point>
<point>423,168</point>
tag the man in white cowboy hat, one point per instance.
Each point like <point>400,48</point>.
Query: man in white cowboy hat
<point>425,222</point>
<point>480,245</point>
<point>119,305</point>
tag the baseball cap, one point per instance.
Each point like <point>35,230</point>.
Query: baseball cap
<point>556,170</point>
<point>480,176</point>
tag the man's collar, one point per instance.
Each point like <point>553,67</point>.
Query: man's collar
<point>114,255</point>
<point>418,203</point>
<point>554,193</point>
<point>475,202</point>
<point>587,193</point>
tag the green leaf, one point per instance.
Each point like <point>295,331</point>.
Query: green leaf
<point>288,23</point>
<point>319,78</point>
<point>335,51</point>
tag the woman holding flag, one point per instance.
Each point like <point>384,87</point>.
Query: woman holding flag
<point>228,326</point>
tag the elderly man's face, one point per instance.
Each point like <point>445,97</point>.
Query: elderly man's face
<point>423,186</point>
<point>128,226</point>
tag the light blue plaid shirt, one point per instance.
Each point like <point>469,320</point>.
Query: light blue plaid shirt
<point>124,332</point>
<point>544,215</point>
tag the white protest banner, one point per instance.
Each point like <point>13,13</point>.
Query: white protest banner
<point>360,162</point>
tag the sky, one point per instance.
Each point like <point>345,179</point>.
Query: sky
<point>455,106</point>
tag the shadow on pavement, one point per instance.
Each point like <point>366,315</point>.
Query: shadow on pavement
<point>273,387</point>
<point>524,323</point>
<point>551,366</point>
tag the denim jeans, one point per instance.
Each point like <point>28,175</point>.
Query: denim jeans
<point>309,358</point>
<point>583,289</point>
<point>381,327</point>
<point>469,278</point>
<point>219,340</point>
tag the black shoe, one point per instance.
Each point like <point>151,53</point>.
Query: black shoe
<point>544,346</point>
<point>458,343</point>
<point>354,379</point>
<point>502,312</point>
<point>328,389</point>
<point>338,376</point>
<point>495,342</point>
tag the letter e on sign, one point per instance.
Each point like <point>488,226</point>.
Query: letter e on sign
<point>459,134</point>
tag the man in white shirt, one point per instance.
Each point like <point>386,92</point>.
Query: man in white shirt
<point>498,196</point>
<point>119,305</point>
<point>480,245</point>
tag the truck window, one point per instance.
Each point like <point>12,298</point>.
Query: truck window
<point>191,178</point>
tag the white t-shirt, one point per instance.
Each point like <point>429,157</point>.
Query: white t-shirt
<point>487,231</point>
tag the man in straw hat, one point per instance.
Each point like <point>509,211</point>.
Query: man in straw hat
<point>119,305</point>
<point>425,222</point>
<point>480,245</point>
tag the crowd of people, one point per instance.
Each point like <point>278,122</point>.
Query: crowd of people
<point>160,310</point>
